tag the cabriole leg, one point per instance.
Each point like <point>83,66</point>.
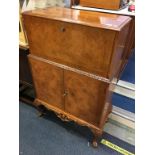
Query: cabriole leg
<point>97,134</point>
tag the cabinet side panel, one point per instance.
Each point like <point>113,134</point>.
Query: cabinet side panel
<point>85,97</point>
<point>119,53</point>
<point>129,45</point>
<point>107,109</point>
<point>48,81</point>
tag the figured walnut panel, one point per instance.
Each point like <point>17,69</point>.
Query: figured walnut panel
<point>48,81</point>
<point>78,46</point>
<point>85,97</point>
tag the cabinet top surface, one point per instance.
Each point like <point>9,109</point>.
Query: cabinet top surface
<point>89,18</point>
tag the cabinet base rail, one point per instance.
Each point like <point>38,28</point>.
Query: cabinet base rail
<point>64,116</point>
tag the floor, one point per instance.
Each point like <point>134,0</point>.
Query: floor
<point>120,131</point>
<point>128,75</point>
<point>123,102</point>
<point>50,136</point>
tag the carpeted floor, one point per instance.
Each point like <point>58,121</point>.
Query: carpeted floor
<point>50,136</point>
<point>123,102</point>
<point>128,75</point>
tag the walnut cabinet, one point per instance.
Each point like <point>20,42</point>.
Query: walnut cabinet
<point>75,57</point>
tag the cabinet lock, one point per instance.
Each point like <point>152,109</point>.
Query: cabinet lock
<point>65,93</point>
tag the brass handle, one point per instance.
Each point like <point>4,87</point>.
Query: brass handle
<point>65,93</point>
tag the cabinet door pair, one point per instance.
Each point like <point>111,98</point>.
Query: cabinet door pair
<point>77,94</point>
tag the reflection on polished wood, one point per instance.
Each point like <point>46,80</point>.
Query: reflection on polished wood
<point>94,19</point>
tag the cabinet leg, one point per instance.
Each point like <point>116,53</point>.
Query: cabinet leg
<point>107,120</point>
<point>40,114</point>
<point>41,111</point>
<point>95,143</point>
<point>97,135</point>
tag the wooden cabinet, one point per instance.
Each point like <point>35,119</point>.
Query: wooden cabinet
<point>105,4</point>
<point>75,56</point>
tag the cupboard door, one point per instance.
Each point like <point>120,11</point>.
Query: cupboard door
<point>48,81</point>
<point>85,97</point>
<point>71,44</point>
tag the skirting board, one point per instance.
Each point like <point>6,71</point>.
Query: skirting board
<point>123,117</point>
<point>126,85</point>
<point>125,88</point>
<point>120,132</point>
<point>121,124</point>
<point>122,121</point>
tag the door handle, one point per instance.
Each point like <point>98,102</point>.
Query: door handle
<point>65,93</point>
